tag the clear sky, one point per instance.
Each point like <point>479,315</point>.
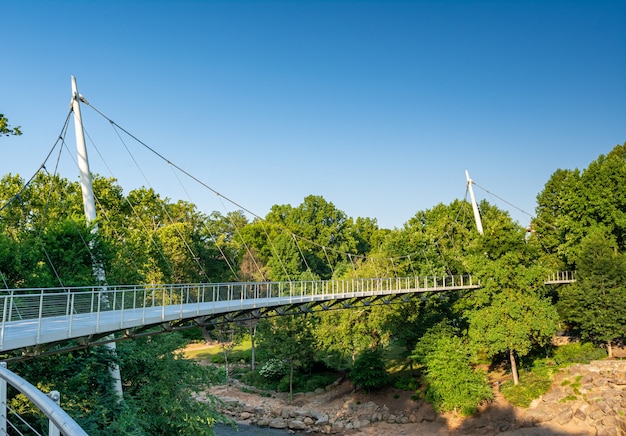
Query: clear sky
<point>378,106</point>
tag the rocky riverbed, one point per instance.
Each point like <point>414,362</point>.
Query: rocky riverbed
<point>584,400</point>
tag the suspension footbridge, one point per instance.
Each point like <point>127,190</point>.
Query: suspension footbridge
<point>37,319</point>
<point>40,317</point>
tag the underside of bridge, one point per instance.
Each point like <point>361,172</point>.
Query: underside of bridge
<point>242,317</point>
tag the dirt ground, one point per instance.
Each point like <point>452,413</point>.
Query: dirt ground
<point>332,403</point>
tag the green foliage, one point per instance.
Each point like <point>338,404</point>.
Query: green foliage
<point>368,372</point>
<point>514,321</point>
<point>6,129</point>
<point>577,352</point>
<point>160,382</point>
<point>534,384</point>
<point>451,382</point>
<point>574,203</point>
<point>253,378</point>
<point>342,335</point>
<point>157,381</point>
<point>406,383</point>
<point>538,379</point>
<point>273,369</point>
<point>595,305</point>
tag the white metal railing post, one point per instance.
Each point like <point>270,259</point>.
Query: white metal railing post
<point>163,291</point>
<point>40,316</point>
<point>53,430</point>
<point>4,319</point>
<point>72,300</point>
<point>3,403</point>
<point>11,306</point>
<point>123,308</point>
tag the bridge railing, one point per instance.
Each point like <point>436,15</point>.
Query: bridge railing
<point>22,304</point>
<point>561,277</point>
<point>58,420</point>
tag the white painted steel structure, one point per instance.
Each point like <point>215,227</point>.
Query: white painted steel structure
<point>40,316</point>
<point>561,277</point>
<point>59,420</point>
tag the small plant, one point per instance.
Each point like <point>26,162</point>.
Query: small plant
<point>568,398</point>
<point>396,396</point>
<point>273,369</point>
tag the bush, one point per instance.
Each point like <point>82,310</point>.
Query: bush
<point>452,383</point>
<point>306,382</point>
<point>253,378</point>
<point>369,371</point>
<point>406,383</point>
<point>577,353</point>
<point>533,385</point>
<point>273,369</point>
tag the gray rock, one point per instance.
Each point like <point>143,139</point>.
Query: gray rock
<point>322,420</point>
<point>338,425</point>
<point>296,424</point>
<point>277,423</point>
<point>580,413</point>
<point>245,415</point>
<point>564,416</point>
<point>537,416</point>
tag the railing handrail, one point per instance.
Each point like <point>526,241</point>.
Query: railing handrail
<point>280,284</point>
<point>52,410</point>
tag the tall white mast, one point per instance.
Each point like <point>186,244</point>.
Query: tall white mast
<point>89,205</point>
<point>479,224</point>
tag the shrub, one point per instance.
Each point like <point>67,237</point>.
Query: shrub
<point>532,385</point>
<point>452,383</point>
<point>273,369</point>
<point>577,353</point>
<point>253,378</point>
<point>368,372</point>
<point>406,383</point>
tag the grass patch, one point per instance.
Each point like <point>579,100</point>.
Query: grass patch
<point>210,351</point>
<point>532,385</point>
<point>395,357</point>
<point>538,380</point>
<point>568,398</point>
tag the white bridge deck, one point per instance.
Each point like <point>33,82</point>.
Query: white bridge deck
<point>40,316</point>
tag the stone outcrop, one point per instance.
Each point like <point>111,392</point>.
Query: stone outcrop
<point>584,400</point>
<point>352,416</point>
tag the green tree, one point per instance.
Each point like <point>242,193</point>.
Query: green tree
<point>514,322</point>
<point>342,335</point>
<point>595,305</point>
<point>574,202</point>
<point>310,238</point>
<point>452,384</point>
<point>369,372</point>
<point>510,313</point>
<point>6,129</point>
<point>288,339</point>
<point>159,383</point>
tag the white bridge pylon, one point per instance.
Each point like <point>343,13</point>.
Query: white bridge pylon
<point>33,317</point>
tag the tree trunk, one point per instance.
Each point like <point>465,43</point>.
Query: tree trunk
<point>609,349</point>
<point>514,367</point>
<point>252,331</point>
<point>290,381</point>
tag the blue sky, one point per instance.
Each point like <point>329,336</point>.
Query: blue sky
<point>379,107</point>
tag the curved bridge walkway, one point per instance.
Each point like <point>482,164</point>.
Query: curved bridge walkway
<point>35,317</point>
